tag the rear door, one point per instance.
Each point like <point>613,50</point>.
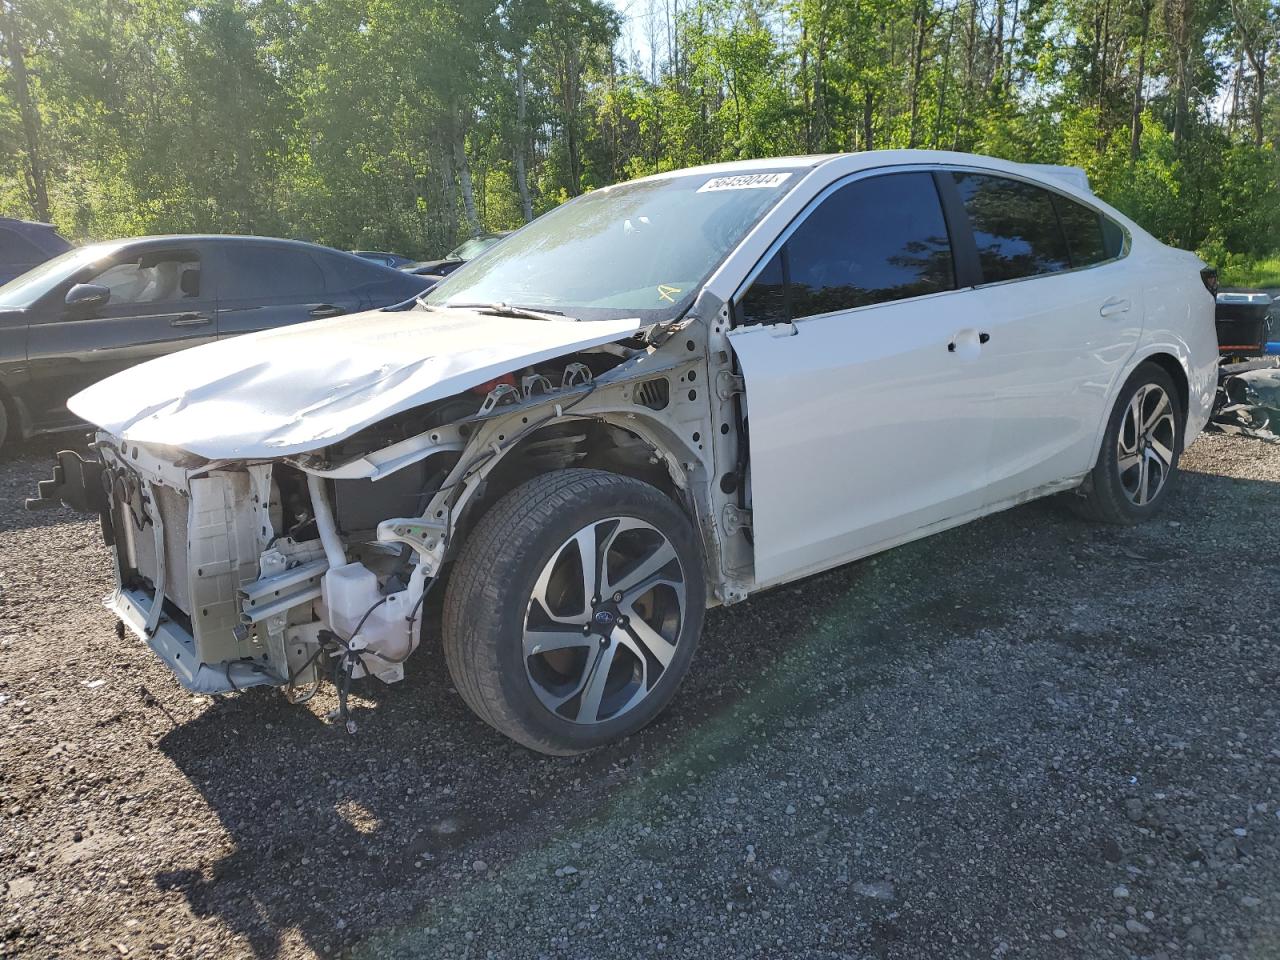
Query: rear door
<point>1064,315</point>
<point>161,301</point>
<point>866,381</point>
<point>366,285</point>
<point>267,285</point>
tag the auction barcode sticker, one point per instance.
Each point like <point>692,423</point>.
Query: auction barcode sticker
<point>744,181</point>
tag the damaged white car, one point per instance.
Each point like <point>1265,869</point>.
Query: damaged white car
<point>659,397</point>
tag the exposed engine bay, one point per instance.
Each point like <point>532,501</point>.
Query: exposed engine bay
<point>279,571</point>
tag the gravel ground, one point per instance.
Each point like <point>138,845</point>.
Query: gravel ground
<point>1027,737</point>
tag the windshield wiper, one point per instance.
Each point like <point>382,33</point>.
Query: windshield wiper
<point>507,310</point>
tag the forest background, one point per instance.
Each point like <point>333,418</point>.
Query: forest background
<point>408,125</point>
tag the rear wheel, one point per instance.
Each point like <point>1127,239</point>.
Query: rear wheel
<point>1140,450</point>
<point>4,422</point>
<point>573,610</point>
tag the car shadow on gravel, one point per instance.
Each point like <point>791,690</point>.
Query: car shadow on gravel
<point>335,836</point>
<point>331,841</point>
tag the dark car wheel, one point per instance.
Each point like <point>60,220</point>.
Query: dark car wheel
<point>573,610</point>
<point>1139,457</point>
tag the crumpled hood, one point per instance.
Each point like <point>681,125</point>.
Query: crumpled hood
<point>298,388</point>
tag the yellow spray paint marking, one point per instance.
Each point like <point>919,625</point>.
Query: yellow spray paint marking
<point>666,292</point>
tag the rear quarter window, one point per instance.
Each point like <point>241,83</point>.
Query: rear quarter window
<point>1015,227</point>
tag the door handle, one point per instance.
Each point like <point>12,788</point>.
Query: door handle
<point>1114,306</point>
<point>325,310</point>
<point>190,320</point>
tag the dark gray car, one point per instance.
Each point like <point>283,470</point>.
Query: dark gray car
<point>25,244</point>
<point>98,309</point>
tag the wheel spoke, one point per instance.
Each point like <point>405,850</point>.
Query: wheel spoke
<point>655,563</point>
<point>1162,453</point>
<point>589,555</point>
<point>540,597</point>
<point>658,646</point>
<point>1128,461</point>
<point>547,640</point>
<point>1155,475</point>
<point>1161,406</point>
<point>593,691</point>
<point>1135,424</point>
<point>1141,495</point>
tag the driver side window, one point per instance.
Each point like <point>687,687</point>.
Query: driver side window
<point>152,278</point>
<point>871,241</point>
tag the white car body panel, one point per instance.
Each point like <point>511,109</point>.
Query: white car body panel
<point>296,388</point>
<point>864,438</point>
<point>863,427</point>
<point>1059,346</point>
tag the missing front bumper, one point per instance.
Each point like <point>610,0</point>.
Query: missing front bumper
<point>177,648</point>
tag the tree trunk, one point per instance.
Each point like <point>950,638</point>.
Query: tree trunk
<point>868,117</point>
<point>464,180</point>
<point>521,139</point>
<point>1260,81</point>
<point>28,111</point>
<point>917,67</point>
<point>1135,118</point>
<point>944,80</point>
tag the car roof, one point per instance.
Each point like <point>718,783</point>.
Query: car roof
<point>845,163</point>
<point>15,222</point>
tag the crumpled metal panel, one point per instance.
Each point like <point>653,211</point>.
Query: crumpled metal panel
<point>1249,400</point>
<point>297,388</point>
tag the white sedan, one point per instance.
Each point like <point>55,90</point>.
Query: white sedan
<point>660,396</point>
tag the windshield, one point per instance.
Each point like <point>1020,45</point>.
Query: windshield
<point>470,249</point>
<point>640,249</point>
<point>23,291</point>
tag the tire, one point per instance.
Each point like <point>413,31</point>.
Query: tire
<point>4,422</point>
<point>1112,494</point>
<point>530,653</point>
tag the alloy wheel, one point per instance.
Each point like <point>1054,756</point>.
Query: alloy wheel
<point>604,619</point>
<point>1146,443</point>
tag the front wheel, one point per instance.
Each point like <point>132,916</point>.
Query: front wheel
<point>1140,450</point>
<point>574,609</point>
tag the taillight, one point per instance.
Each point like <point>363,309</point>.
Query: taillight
<point>1209,275</point>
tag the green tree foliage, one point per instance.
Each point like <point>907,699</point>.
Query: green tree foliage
<point>408,126</point>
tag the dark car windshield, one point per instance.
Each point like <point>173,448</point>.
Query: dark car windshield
<point>639,249</point>
<point>23,291</point>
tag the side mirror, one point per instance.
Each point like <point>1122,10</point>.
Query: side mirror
<point>86,296</point>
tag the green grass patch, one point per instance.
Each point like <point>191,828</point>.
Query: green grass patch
<point>1251,273</point>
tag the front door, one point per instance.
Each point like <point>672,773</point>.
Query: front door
<point>161,301</point>
<point>866,379</point>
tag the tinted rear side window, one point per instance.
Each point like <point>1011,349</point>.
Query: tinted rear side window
<point>1083,230</point>
<point>348,273</point>
<point>18,249</point>
<point>262,271</point>
<point>870,242</point>
<point>1112,238</point>
<point>1014,225</point>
